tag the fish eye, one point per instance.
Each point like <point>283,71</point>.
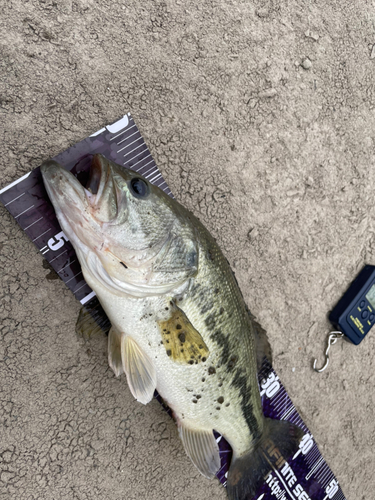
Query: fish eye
<point>139,188</point>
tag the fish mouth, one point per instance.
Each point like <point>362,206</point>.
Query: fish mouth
<point>100,187</point>
<point>96,172</point>
<point>98,196</point>
<point>60,182</point>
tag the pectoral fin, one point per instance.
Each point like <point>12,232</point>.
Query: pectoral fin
<point>140,372</point>
<point>183,343</point>
<point>202,449</point>
<point>92,320</point>
<point>114,352</point>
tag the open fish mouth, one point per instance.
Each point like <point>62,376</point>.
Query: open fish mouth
<point>60,182</point>
<point>96,174</point>
<point>99,196</point>
<point>99,170</point>
<point>102,192</point>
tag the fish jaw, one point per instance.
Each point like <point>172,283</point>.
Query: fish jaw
<point>70,201</point>
<point>63,189</point>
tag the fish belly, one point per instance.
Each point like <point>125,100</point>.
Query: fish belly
<point>201,395</point>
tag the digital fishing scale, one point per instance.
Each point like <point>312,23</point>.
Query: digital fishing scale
<point>354,314</point>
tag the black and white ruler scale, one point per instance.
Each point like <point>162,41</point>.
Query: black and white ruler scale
<point>306,476</point>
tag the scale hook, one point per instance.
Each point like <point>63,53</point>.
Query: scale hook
<point>332,339</point>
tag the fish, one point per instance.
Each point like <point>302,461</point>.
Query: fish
<point>179,323</point>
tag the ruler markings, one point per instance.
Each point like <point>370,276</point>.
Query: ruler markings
<point>123,132</point>
<point>14,183</point>
<point>57,256</point>
<point>277,398</point>
<point>135,149</point>
<point>289,415</point>
<point>70,263</point>
<point>282,401</point>
<point>78,289</point>
<point>128,137</point>
<point>154,178</point>
<point>126,131</point>
<point>314,453</point>
<point>287,412</point>
<point>74,277</point>
<point>143,166</point>
<point>128,145</point>
<point>27,209</point>
<point>88,297</point>
<point>280,397</point>
<point>33,223</point>
<point>45,232</point>
<point>326,477</point>
<point>315,467</point>
<point>14,199</point>
<point>141,159</point>
<point>151,170</point>
<point>296,419</point>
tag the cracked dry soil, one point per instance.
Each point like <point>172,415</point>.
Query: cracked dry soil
<point>261,116</point>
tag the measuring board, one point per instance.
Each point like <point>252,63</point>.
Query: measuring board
<point>306,475</point>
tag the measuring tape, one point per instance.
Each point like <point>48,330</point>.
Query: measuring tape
<point>306,475</point>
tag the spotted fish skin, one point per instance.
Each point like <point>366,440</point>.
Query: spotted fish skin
<point>179,321</point>
<point>229,399</point>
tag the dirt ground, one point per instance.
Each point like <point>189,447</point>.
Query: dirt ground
<point>261,117</point>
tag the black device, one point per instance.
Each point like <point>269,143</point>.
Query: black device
<point>354,314</point>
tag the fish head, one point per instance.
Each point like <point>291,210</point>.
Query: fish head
<point>128,234</point>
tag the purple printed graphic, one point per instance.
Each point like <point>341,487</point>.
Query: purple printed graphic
<point>306,475</point>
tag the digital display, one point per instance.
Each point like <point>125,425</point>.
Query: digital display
<point>371,296</point>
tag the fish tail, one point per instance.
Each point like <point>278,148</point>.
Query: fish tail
<point>248,472</point>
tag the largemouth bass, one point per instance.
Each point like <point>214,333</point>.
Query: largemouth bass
<point>179,321</point>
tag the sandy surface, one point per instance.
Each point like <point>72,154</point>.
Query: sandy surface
<point>261,117</point>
